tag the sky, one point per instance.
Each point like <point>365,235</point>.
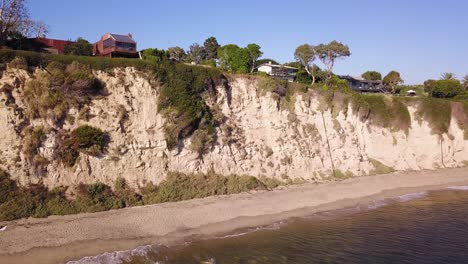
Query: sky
<point>421,39</point>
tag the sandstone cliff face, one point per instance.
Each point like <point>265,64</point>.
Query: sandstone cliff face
<point>258,138</point>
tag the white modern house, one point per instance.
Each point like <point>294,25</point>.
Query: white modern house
<point>278,71</point>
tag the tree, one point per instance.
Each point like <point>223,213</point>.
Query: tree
<point>429,86</point>
<point>176,53</point>
<point>372,76</point>
<point>154,55</point>
<point>306,54</point>
<point>197,53</point>
<point>392,81</point>
<point>465,82</point>
<point>254,53</point>
<point>447,76</point>
<point>14,18</point>
<point>446,88</point>
<point>80,47</point>
<point>329,53</point>
<point>211,47</point>
<point>234,59</point>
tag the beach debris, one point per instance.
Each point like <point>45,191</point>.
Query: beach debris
<point>3,228</point>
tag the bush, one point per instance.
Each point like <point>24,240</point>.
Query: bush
<point>179,186</point>
<point>446,88</point>
<point>86,139</point>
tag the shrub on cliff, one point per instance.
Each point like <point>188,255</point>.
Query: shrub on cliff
<point>50,94</point>
<point>182,103</point>
<point>86,139</point>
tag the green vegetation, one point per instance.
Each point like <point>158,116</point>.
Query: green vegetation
<point>436,112</point>
<point>388,112</point>
<point>178,187</point>
<point>52,92</point>
<point>444,88</point>
<point>379,168</point>
<point>37,201</point>
<point>339,175</point>
<point>372,75</point>
<point>330,53</point>
<point>35,59</point>
<point>80,47</point>
<point>392,81</point>
<point>181,102</point>
<point>86,139</point>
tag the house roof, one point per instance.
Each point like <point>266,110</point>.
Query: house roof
<point>358,78</point>
<point>277,66</point>
<point>122,38</point>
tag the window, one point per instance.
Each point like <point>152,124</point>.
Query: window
<point>125,45</point>
<point>108,43</point>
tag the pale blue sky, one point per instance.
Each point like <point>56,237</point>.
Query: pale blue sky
<point>420,38</point>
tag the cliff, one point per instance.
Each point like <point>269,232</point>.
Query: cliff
<point>261,128</point>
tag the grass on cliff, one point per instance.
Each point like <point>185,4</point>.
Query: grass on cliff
<point>51,93</point>
<point>38,201</point>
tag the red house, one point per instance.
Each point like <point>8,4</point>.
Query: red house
<point>114,45</point>
<point>55,46</point>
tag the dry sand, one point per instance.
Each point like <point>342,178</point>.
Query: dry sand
<point>58,239</point>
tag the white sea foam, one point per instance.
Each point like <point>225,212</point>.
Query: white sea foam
<point>274,226</point>
<point>458,188</point>
<point>411,196</point>
<point>115,257</point>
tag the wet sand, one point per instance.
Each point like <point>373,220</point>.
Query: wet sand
<point>58,239</point>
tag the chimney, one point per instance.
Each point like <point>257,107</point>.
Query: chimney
<point>130,35</point>
<point>269,62</point>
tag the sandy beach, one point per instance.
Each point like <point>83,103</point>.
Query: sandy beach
<point>59,239</point>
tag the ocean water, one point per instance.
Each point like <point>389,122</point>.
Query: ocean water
<point>414,228</point>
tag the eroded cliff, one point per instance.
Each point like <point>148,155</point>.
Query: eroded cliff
<point>310,135</point>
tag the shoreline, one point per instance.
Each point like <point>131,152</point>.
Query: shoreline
<point>58,239</point>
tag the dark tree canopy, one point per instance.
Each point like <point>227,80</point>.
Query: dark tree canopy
<point>372,75</point>
<point>176,53</point>
<point>446,88</point>
<point>392,81</point>
<point>197,53</point>
<point>155,55</point>
<point>211,47</point>
<point>80,47</point>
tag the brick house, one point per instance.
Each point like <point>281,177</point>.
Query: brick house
<point>114,45</point>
